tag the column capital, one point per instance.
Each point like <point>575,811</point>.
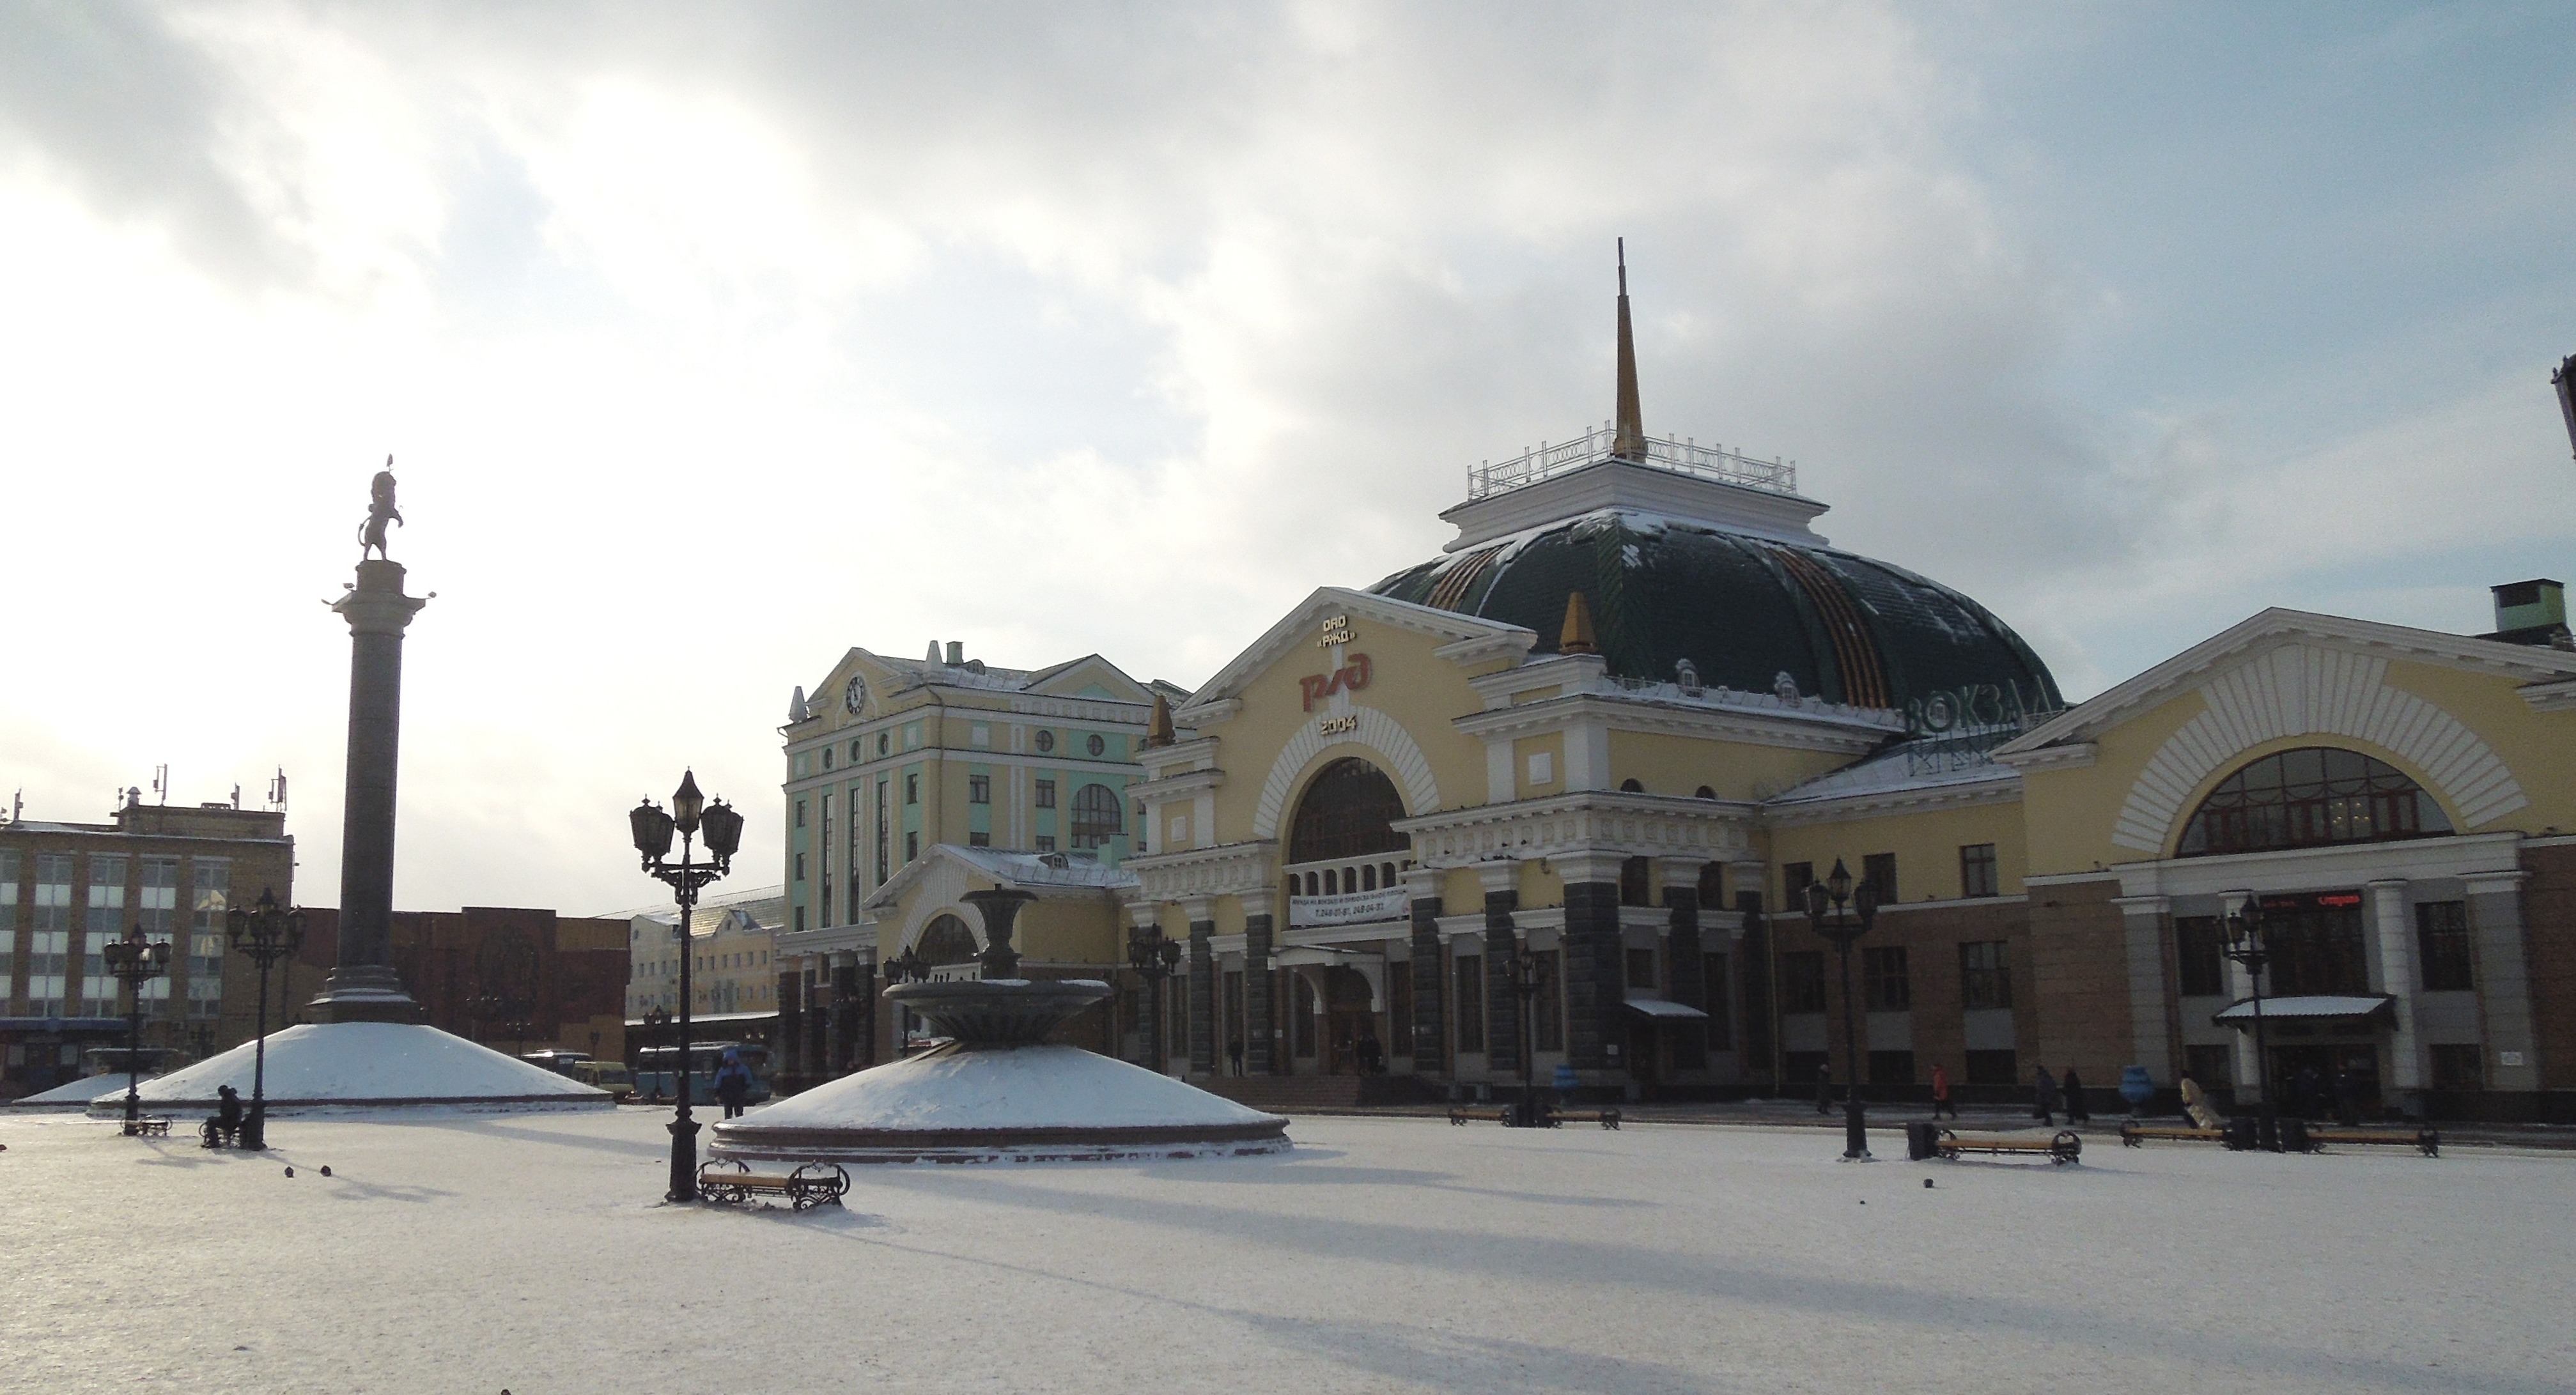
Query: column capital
<point>1504,875</point>
<point>2143,905</point>
<point>1678,871</point>
<point>2493,883</point>
<point>1422,883</point>
<point>1144,915</point>
<point>1262,902</point>
<point>1198,910</point>
<point>1591,866</point>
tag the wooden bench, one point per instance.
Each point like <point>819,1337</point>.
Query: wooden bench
<point>814,1184</point>
<point>149,1126</point>
<point>213,1134</point>
<point>2065,1146</point>
<point>1460,1114</point>
<point>2425,1141</point>
<point>2133,1133</point>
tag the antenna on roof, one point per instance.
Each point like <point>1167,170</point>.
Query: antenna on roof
<point>161,783</point>
<point>1630,441</point>
<point>277,791</point>
<point>2565,381</point>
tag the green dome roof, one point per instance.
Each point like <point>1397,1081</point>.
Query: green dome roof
<point>1742,609</point>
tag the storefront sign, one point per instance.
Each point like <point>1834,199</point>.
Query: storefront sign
<point>1348,908</point>
<point>1350,677</point>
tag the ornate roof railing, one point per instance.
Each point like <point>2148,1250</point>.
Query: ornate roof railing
<point>1682,457</point>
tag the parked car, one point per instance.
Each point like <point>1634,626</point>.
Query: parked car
<point>612,1076</point>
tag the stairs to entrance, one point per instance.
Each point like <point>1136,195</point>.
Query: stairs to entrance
<point>1293,1094</point>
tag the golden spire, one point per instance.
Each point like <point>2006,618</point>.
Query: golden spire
<point>1576,637</point>
<point>1158,727</point>
<point>1631,440</point>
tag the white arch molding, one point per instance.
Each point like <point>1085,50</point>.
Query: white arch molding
<point>1384,737</point>
<point>943,884</point>
<point>2303,690</point>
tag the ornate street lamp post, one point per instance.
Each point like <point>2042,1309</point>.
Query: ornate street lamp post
<point>1853,908</point>
<point>135,961</point>
<point>2249,942</point>
<point>267,932</point>
<point>1153,957</point>
<point>690,814</point>
<point>1525,973</point>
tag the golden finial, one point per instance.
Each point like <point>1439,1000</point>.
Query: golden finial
<point>1576,637</point>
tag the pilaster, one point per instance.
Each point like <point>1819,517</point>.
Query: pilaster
<point>2504,979</point>
<point>1685,977</point>
<point>2393,946</point>
<point>2142,922</point>
<point>1430,984</point>
<point>1202,992</point>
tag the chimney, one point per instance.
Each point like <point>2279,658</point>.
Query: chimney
<point>956,653</point>
<point>2530,612</point>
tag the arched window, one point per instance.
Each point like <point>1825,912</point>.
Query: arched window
<point>1386,875</point>
<point>2311,797</point>
<point>1332,882</point>
<point>946,940</point>
<point>1349,811</point>
<point>1098,814</point>
<point>1631,787</point>
<point>1368,878</point>
<point>1704,792</point>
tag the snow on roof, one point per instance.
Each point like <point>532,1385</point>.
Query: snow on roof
<point>2241,1013</point>
<point>1015,868</point>
<point>1894,771</point>
<point>1665,1007</point>
<point>83,1090</point>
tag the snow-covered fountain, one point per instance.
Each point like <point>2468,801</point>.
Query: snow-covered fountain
<point>998,1090</point>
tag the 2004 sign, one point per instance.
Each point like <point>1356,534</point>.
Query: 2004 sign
<point>1338,726</point>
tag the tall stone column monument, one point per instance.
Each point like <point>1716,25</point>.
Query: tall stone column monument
<point>363,986</point>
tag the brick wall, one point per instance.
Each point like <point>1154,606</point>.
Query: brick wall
<point>2549,929</point>
<point>2079,969</point>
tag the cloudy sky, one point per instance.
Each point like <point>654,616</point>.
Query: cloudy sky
<point>712,340</point>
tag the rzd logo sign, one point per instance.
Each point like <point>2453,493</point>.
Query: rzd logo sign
<point>1350,677</point>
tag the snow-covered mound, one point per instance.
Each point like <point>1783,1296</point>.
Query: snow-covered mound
<point>989,1103</point>
<point>373,1065</point>
<point>75,1094</point>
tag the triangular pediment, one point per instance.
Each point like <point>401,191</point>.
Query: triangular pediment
<point>2273,631</point>
<point>1090,676</point>
<point>1299,626</point>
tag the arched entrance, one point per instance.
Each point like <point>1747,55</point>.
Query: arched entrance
<point>1348,811</point>
<point>946,940</point>
<point>1350,1025</point>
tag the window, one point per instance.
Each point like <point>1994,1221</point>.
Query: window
<point>1636,882</point>
<point>1879,870</point>
<point>53,891</point>
<point>1548,1005</point>
<point>48,964</point>
<point>979,840</point>
<point>1977,870</point>
<point>912,787</point>
<point>2459,1066</point>
<point>1470,975</point>
<point>1891,1067</point>
<point>2442,945</point>
<point>800,867</point>
<point>885,742</point>
<point>800,918</point>
<point>1098,815</point>
<point>827,758</point>
<point>1641,968</point>
<point>1993,1068</point>
<point>2209,1066</point>
<point>1045,740</point>
<point>1631,787</point>
<point>1712,885</point>
<point>1795,878</point>
<point>1044,794</point>
<point>2316,944</point>
<point>1046,843</point>
<point>800,814</point>
<point>158,912</point>
<point>106,897</point>
<point>1985,976</point>
<point>2310,797</point>
<point>1802,981</point>
<point>1348,811</point>
<point>855,753</point>
<point>911,846</point>
<point>1094,744</point>
<point>979,789</point>
<point>1301,1016</point>
<point>1399,1009</point>
<point>1884,986</point>
<point>1704,792</point>
<point>2200,955</point>
<point>1719,1001</point>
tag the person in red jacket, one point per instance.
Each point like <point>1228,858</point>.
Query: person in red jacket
<point>1941,1092</point>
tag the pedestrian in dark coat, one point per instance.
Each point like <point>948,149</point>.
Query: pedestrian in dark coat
<point>228,1114</point>
<point>1234,1054</point>
<point>733,1085</point>
<point>1825,1088</point>
<point>2076,1113</point>
<point>2043,1089</point>
<point>2347,1100</point>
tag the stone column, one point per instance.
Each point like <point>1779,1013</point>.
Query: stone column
<point>818,1021</point>
<point>791,1023</point>
<point>846,1003</point>
<point>1430,985</point>
<point>2393,946</point>
<point>1144,917</point>
<point>363,986</point>
<point>2249,1072</point>
<point>1202,990</point>
<point>2151,1044</point>
<point>1259,1017</point>
<point>1686,976</point>
<point>1596,989</point>
<point>2504,979</point>
<point>1502,1006</point>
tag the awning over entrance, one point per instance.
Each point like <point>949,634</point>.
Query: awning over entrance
<point>1665,1009</point>
<point>2240,1014</point>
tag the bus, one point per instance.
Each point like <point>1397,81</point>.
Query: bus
<point>655,1079</point>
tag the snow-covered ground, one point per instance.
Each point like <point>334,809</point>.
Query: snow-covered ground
<point>478,1252</point>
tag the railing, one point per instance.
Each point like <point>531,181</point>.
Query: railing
<point>1682,457</point>
<point>1722,696</point>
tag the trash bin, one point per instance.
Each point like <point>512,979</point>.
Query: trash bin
<point>2241,1136</point>
<point>2294,1137</point>
<point>1922,1140</point>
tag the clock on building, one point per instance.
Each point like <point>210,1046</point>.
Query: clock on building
<point>856,696</point>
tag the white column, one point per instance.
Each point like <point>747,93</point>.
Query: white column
<point>2142,919</point>
<point>2504,979</point>
<point>2395,960</point>
<point>2249,1074</point>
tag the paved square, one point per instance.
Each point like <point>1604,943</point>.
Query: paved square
<point>461,1253</point>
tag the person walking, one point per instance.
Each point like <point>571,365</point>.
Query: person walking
<point>2076,1113</point>
<point>1825,1088</point>
<point>2347,1099</point>
<point>733,1084</point>
<point>1941,1092</point>
<point>2043,1089</point>
<point>1234,1054</point>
